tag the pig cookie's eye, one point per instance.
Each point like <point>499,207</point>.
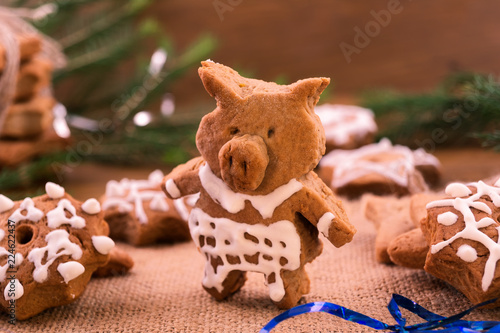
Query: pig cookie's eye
<point>270,132</point>
<point>234,130</point>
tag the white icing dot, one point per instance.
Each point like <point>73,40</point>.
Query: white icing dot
<point>54,191</point>
<point>5,204</point>
<point>457,190</point>
<point>172,189</point>
<point>70,270</point>
<point>467,253</point>
<point>57,216</point>
<point>91,206</point>
<point>156,177</point>
<point>14,290</point>
<point>447,218</point>
<point>324,223</point>
<point>159,203</point>
<point>103,244</point>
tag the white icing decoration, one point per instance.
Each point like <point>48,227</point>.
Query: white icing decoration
<point>58,244</point>
<point>5,204</point>
<point>54,191</point>
<point>230,240</point>
<point>472,227</point>
<point>234,202</point>
<point>343,122</point>
<point>324,223</point>
<point>18,290</point>
<point>2,234</point>
<point>57,216</point>
<point>18,259</point>
<point>70,270</point>
<point>33,214</point>
<point>172,189</point>
<point>467,253</point>
<point>158,203</point>
<point>181,205</point>
<point>103,244</point>
<point>457,190</point>
<point>497,184</point>
<point>447,218</point>
<point>91,206</point>
<point>129,194</point>
<point>350,165</point>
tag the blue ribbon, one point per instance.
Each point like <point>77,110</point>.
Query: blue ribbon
<point>433,321</point>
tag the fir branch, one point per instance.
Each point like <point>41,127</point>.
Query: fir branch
<point>464,104</point>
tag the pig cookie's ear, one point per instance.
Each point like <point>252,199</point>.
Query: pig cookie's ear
<point>220,81</point>
<point>310,89</point>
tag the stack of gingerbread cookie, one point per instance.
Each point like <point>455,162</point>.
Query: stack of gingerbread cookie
<point>27,129</point>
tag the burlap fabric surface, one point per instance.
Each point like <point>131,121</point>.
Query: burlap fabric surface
<point>163,293</point>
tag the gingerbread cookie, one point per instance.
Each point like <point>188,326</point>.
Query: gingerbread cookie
<point>49,247</point>
<point>394,217</point>
<point>261,206</point>
<point>139,213</point>
<point>346,126</point>
<point>33,76</point>
<point>15,152</point>
<point>380,168</point>
<point>463,232</point>
<point>119,263</point>
<point>28,119</point>
<point>2,58</point>
<point>29,46</point>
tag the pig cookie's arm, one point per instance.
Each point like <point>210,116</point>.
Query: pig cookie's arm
<point>320,206</point>
<point>183,180</point>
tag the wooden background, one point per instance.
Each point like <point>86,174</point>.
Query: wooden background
<point>421,44</point>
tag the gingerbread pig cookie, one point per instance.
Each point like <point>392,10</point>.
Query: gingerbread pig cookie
<point>463,232</point>
<point>139,213</point>
<point>346,126</point>
<point>380,168</point>
<point>261,206</point>
<point>49,247</point>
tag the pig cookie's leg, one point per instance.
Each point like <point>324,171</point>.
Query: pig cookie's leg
<point>296,285</point>
<point>231,284</point>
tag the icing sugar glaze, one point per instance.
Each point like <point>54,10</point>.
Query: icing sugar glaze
<point>463,200</point>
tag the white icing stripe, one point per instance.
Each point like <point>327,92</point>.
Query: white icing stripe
<point>276,246</point>
<point>91,207</point>
<point>58,244</point>
<point>158,203</point>
<point>129,194</point>
<point>181,205</point>
<point>234,202</point>
<point>33,214</point>
<point>2,234</point>
<point>472,227</point>
<point>54,191</point>
<point>103,244</point>
<point>5,204</point>
<point>172,189</point>
<point>13,290</point>
<point>324,223</point>
<point>70,270</point>
<point>57,216</point>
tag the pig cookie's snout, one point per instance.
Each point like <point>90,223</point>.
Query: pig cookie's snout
<point>243,161</point>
